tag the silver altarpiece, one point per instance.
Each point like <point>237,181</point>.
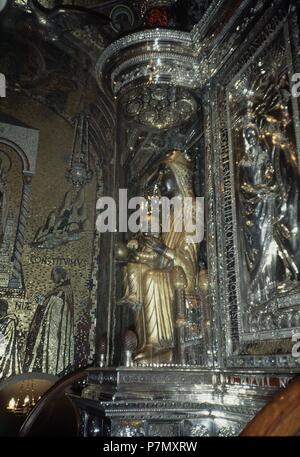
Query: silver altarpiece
<point>224,98</point>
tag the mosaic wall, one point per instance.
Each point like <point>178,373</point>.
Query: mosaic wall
<point>47,321</point>
<point>257,196</point>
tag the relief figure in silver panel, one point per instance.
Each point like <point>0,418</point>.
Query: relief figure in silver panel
<point>269,198</point>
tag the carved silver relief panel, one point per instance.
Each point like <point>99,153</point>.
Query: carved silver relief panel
<point>267,186</point>
<point>257,200</point>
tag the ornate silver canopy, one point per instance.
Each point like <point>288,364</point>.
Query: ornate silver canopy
<point>147,71</point>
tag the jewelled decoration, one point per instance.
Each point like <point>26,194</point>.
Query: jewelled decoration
<point>199,430</point>
<point>228,431</point>
<point>158,17</point>
<point>159,106</point>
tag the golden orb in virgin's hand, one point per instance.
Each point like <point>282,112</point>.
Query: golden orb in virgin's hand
<point>121,251</point>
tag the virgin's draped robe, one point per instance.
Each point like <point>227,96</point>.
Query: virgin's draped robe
<point>153,290</point>
<point>148,280</point>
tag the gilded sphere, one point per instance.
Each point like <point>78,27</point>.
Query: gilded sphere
<point>121,251</point>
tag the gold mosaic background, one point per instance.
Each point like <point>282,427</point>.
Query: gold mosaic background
<point>49,187</point>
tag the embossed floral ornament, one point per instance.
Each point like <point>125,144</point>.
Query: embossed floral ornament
<point>159,106</point>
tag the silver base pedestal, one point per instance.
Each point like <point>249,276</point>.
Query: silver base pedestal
<point>128,402</point>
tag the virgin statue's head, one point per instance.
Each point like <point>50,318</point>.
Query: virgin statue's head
<point>173,175</point>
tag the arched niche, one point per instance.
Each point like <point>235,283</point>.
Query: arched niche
<point>18,152</point>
